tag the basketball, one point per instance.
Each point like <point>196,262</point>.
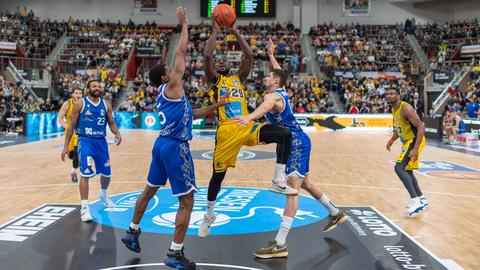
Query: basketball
<point>224,15</point>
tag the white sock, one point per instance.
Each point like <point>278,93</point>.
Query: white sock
<point>415,200</point>
<point>134,226</point>
<point>283,231</point>
<point>74,170</point>
<point>210,207</point>
<point>103,192</point>
<point>279,175</point>
<point>176,246</point>
<point>84,203</point>
<point>325,201</point>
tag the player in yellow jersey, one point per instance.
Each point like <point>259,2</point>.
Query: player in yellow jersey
<point>63,120</point>
<point>410,129</point>
<point>230,137</point>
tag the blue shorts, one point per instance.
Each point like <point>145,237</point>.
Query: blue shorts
<point>299,158</point>
<point>93,151</point>
<point>171,159</point>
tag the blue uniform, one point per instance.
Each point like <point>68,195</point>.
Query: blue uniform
<point>171,158</point>
<point>299,158</point>
<point>92,147</point>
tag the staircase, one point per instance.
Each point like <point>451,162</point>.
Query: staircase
<point>338,105</point>
<point>310,53</point>
<point>419,53</point>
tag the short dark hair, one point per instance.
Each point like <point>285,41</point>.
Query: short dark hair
<point>281,74</point>
<point>396,89</point>
<point>155,75</point>
<point>90,82</point>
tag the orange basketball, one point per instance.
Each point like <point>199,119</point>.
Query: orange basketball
<point>224,15</point>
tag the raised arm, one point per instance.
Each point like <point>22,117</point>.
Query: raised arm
<point>61,115</point>
<point>77,107</point>
<point>267,105</point>
<point>211,75</point>
<point>112,124</point>
<point>174,88</point>
<point>271,55</point>
<point>246,64</point>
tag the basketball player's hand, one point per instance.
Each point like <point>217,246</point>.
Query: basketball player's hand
<point>64,153</point>
<point>389,144</point>
<point>118,138</point>
<point>413,154</point>
<point>234,27</point>
<point>224,100</point>
<point>215,25</point>
<point>241,120</point>
<point>271,47</point>
<point>182,15</point>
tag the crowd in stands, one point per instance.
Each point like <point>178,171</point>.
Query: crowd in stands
<point>367,95</point>
<point>440,41</point>
<point>356,48</point>
<point>36,38</point>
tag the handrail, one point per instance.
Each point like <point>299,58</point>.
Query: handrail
<point>436,105</point>
<point>20,78</point>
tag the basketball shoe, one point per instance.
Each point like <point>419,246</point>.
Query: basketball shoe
<point>85,214</point>
<point>176,259</point>
<point>334,221</point>
<point>105,200</point>
<point>131,240</point>
<point>286,190</point>
<point>271,250</point>
<point>415,208</point>
<point>204,229</point>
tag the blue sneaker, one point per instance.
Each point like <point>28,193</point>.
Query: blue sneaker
<point>176,259</point>
<point>131,240</point>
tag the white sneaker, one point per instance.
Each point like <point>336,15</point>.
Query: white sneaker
<point>415,209</point>
<point>106,200</point>
<point>286,190</point>
<point>424,201</point>
<point>204,229</point>
<point>85,214</point>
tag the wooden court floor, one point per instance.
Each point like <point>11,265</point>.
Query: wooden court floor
<point>353,169</point>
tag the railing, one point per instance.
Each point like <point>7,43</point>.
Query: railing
<point>445,95</point>
<point>19,78</point>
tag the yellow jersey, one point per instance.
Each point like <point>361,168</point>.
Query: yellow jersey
<point>238,103</point>
<point>74,140</point>
<point>403,127</point>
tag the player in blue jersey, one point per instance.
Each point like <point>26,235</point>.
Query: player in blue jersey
<point>171,158</point>
<point>89,118</point>
<point>278,112</point>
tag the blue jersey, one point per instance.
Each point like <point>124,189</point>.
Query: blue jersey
<point>175,116</point>
<point>92,121</point>
<point>285,118</point>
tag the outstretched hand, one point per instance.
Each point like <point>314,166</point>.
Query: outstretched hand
<point>241,120</point>
<point>182,15</point>
<point>271,47</point>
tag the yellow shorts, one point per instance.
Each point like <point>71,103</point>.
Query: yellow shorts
<point>228,141</point>
<point>407,146</point>
<point>73,142</point>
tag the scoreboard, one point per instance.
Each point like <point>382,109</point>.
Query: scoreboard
<point>243,8</point>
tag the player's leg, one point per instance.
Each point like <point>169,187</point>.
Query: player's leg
<point>278,248</point>
<point>85,152</point>
<point>130,239</point>
<point>403,160</point>
<point>75,164</point>
<point>336,216</point>
<point>283,138</point>
<point>414,165</point>
<point>157,176</point>
<point>228,142</point>
<point>181,175</point>
<point>102,165</point>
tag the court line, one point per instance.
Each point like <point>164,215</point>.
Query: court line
<point>244,181</point>
<point>200,264</point>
